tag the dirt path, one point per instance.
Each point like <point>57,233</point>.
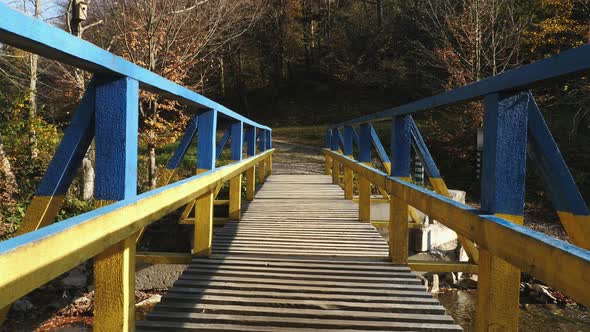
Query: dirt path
<point>292,158</point>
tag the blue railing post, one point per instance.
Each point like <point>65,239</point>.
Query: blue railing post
<point>206,149</point>
<point>251,172</point>
<point>335,140</point>
<point>235,184</point>
<point>117,106</point>
<point>262,147</point>
<point>348,173</point>
<point>401,145</point>
<point>336,148</point>
<point>502,194</point>
<point>363,182</point>
<point>206,141</point>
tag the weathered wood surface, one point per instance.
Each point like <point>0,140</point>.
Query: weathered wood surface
<point>299,260</point>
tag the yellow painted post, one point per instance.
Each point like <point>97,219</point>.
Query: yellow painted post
<point>261,171</point>
<point>328,165</point>
<point>348,183</point>
<point>235,197</point>
<point>269,166</point>
<point>250,183</point>
<point>335,171</point>
<point>114,287</point>
<point>498,289</point>
<point>398,230</point>
<point>203,225</point>
<point>364,199</point>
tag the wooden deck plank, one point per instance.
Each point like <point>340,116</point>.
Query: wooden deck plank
<point>298,260</point>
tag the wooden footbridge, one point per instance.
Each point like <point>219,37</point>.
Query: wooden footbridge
<point>298,260</point>
<point>300,254</point>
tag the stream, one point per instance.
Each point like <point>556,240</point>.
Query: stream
<point>533,317</point>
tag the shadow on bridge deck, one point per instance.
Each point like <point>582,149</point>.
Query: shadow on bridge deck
<point>299,260</point>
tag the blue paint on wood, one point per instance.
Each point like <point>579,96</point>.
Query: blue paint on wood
<point>422,151</point>
<point>27,33</point>
<point>365,143</point>
<point>262,140</point>
<point>185,143</point>
<point>251,141</point>
<point>237,143</point>
<point>400,146</point>
<point>355,138</point>
<point>335,139</point>
<point>206,140</point>
<point>378,146</point>
<point>545,154</point>
<point>347,140</point>
<point>222,143</point>
<point>117,118</point>
<point>55,228</point>
<point>72,148</point>
<point>504,154</point>
<point>269,139</point>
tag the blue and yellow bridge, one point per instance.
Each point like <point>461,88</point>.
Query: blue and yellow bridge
<point>301,255</point>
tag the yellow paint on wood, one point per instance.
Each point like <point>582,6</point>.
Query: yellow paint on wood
<point>40,213</point>
<point>163,258</point>
<point>269,165</point>
<point>558,268</point>
<point>261,172</point>
<point>221,202</point>
<point>398,231</point>
<point>235,197</point>
<point>250,183</point>
<point>203,225</point>
<point>61,251</point>
<point>348,183</point>
<point>364,199</point>
<point>577,228</point>
<point>335,172</point>
<point>498,290</point>
<point>385,223</point>
<point>442,266</point>
<point>114,287</point>
<point>328,165</point>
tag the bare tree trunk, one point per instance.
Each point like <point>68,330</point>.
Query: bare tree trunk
<point>5,166</point>
<point>222,74</point>
<point>152,167</point>
<point>87,176</point>
<point>379,13</point>
<point>75,27</point>
<point>33,96</point>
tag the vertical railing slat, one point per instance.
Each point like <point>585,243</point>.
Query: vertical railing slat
<point>116,179</point>
<point>503,185</point>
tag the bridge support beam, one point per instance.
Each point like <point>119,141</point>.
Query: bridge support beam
<point>398,230</point>
<point>235,184</point>
<point>365,183</point>
<point>203,233</point>
<point>251,172</point>
<point>503,185</point>
<point>116,179</point>
<point>262,147</point>
<point>348,174</point>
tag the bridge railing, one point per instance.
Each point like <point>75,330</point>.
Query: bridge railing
<point>497,243</point>
<point>108,114</point>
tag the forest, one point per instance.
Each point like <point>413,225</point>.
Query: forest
<point>296,64</point>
